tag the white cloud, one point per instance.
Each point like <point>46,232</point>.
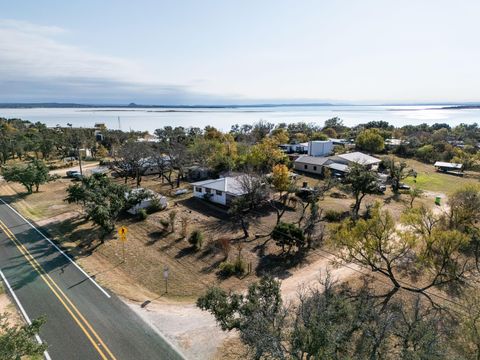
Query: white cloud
<point>30,50</point>
<point>35,65</point>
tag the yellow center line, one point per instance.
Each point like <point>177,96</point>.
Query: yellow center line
<point>47,279</point>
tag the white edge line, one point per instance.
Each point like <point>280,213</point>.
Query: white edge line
<point>22,310</point>
<point>60,250</point>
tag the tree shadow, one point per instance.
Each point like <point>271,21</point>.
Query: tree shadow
<point>278,265</point>
<point>155,236</point>
<point>185,252</point>
<point>211,268</point>
<point>206,208</point>
<point>9,199</point>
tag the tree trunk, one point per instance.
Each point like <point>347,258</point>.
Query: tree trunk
<point>245,229</point>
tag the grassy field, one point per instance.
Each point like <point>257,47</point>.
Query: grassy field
<point>428,179</point>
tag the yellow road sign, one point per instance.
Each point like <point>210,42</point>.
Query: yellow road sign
<point>123,233</point>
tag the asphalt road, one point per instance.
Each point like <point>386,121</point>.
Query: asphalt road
<point>83,320</point>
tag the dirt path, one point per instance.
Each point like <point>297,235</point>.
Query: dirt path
<point>308,276</point>
<point>88,167</point>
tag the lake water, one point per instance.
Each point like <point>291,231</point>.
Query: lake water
<point>153,118</point>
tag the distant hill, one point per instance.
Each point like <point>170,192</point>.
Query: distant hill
<point>134,106</point>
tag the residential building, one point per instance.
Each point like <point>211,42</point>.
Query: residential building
<point>337,164</point>
<point>311,164</point>
<point>356,157</point>
<point>221,191</point>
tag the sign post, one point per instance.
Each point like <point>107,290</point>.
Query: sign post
<point>165,276</point>
<point>122,233</point>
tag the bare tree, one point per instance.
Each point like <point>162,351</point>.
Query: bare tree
<point>132,159</point>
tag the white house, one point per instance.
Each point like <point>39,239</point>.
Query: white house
<point>221,191</point>
<point>338,164</point>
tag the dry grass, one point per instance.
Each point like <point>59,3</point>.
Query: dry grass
<point>150,247</point>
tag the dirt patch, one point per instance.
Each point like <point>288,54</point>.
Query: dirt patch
<point>192,330</point>
<point>8,308</point>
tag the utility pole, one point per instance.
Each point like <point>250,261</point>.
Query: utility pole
<point>80,160</point>
<point>165,276</point>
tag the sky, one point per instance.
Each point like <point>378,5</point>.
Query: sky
<point>238,52</point>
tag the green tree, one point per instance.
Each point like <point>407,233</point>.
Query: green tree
<point>264,155</point>
<point>426,153</point>
<point>413,194</point>
<point>360,181</point>
<point>397,173</point>
<point>370,141</point>
<point>258,316</point>
<point>430,249</point>
<point>17,342</point>
<point>102,200</point>
<point>30,175</point>
<point>288,235</point>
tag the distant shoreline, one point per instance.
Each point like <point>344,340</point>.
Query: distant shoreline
<point>461,107</point>
<point>172,108</point>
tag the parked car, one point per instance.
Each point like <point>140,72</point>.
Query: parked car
<point>181,192</point>
<point>70,173</point>
<point>76,175</point>
<point>404,187</point>
<point>382,187</point>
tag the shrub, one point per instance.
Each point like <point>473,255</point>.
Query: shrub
<point>228,268</point>
<point>142,214</point>
<point>333,215</point>
<point>154,206</point>
<point>165,223</point>
<point>240,267</point>
<point>196,239</point>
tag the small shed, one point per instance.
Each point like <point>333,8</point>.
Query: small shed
<point>450,168</point>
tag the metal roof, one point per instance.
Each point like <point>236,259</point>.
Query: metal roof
<point>448,165</point>
<point>338,167</point>
<point>359,158</point>
<point>230,185</point>
<point>314,160</point>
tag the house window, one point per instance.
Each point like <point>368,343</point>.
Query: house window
<point>314,168</point>
<point>199,189</point>
<point>305,166</point>
<point>219,193</point>
<point>208,191</point>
